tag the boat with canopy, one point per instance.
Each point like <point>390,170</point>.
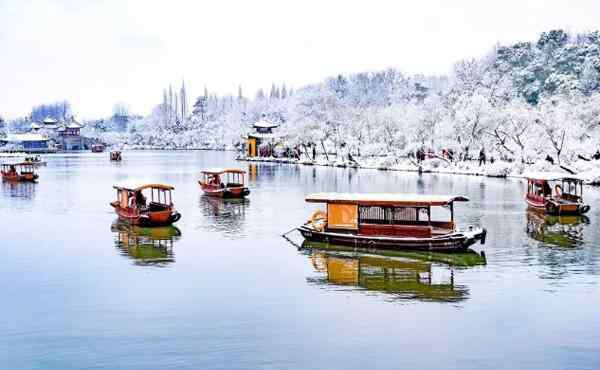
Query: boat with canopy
<point>115,156</point>
<point>132,205</point>
<point>389,221</point>
<point>18,172</point>
<point>224,183</point>
<point>566,198</point>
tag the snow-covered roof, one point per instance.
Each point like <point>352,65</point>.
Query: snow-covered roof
<point>14,138</point>
<point>385,199</point>
<point>35,126</point>
<point>50,121</point>
<point>262,136</point>
<point>74,124</point>
<point>264,124</point>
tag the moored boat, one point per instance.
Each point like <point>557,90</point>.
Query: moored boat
<point>224,183</point>
<point>389,221</point>
<point>133,206</point>
<point>566,199</point>
<point>18,172</point>
<point>35,160</point>
<point>98,148</point>
<point>115,156</point>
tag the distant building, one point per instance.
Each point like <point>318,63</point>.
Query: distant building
<point>257,142</point>
<point>29,142</point>
<point>69,136</point>
<point>63,136</point>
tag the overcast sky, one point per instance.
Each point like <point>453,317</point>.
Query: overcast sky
<point>97,52</point>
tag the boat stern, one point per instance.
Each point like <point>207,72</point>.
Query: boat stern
<point>475,233</point>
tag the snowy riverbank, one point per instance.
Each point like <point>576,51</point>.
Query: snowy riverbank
<point>589,171</point>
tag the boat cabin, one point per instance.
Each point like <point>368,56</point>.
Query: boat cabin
<point>146,205</point>
<point>389,214</point>
<point>555,193</point>
<point>115,155</point>
<point>224,182</point>
<point>21,172</point>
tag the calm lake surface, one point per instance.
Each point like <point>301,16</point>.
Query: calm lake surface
<point>225,291</point>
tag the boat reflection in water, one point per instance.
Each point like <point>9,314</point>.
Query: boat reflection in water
<point>146,245</point>
<point>24,190</point>
<point>224,215</point>
<point>424,276</point>
<point>560,231</point>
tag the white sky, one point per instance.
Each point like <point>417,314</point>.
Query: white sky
<point>97,52</point>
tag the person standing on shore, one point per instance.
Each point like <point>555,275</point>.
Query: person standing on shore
<point>482,156</point>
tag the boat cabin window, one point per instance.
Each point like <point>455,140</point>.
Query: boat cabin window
<point>417,215</point>
<point>541,189</point>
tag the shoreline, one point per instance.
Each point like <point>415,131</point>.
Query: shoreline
<point>495,170</point>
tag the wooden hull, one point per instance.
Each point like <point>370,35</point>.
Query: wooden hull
<point>147,219</point>
<point>558,208</point>
<point>226,193</point>
<point>28,177</point>
<point>458,241</point>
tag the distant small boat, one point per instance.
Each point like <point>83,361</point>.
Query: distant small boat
<point>18,172</point>
<point>567,198</point>
<point>115,155</point>
<point>132,205</point>
<point>224,183</point>
<point>35,160</point>
<point>389,221</point>
<point>98,148</point>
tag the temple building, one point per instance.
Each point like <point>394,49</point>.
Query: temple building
<point>260,141</point>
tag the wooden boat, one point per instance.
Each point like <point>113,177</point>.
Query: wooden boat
<point>98,148</point>
<point>224,183</point>
<point>35,160</point>
<point>115,155</point>
<point>131,205</point>
<point>566,199</point>
<point>18,172</point>
<point>389,221</point>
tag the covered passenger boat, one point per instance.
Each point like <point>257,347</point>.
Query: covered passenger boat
<point>389,221</point>
<point>115,156</point>
<point>98,148</point>
<point>224,183</point>
<point>18,172</point>
<point>146,205</point>
<point>555,194</point>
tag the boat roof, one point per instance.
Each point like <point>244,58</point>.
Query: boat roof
<point>140,187</point>
<point>385,199</point>
<point>17,164</point>
<point>551,176</point>
<point>218,171</point>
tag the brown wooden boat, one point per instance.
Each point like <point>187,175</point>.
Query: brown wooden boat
<point>224,183</point>
<point>115,155</point>
<point>566,199</point>
<point>389,221</point>
<point>132,205</point>
<point>98,148</point>
<point>18,172</point>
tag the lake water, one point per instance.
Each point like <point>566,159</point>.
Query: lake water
<point>225,291</point>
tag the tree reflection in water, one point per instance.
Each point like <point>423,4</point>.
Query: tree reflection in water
<point>146,245</point>
<point>24,190</point>
<point>397,275</point>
